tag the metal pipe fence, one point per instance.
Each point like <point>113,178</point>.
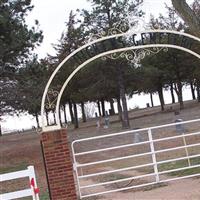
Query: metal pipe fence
<point>166,151</point>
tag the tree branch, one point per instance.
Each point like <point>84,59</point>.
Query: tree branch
<point>188,15</point>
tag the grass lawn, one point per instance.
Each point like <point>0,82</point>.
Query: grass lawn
<point>181,164</point>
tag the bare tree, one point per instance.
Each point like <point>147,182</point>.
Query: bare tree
<point>189,15</point>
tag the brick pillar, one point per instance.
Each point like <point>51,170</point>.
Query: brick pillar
<point>58,165</point>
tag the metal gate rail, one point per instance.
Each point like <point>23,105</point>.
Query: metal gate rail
<point>153,153</point>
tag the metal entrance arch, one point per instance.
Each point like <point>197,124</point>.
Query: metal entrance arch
<point>141,40</point>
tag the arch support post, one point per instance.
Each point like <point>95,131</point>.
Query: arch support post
<point>58,163</point>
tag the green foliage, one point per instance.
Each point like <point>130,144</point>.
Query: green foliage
<point>100,80</point>
<point>181,164</point>
<point>44,196</point>
<point>173,68</point>
<point>16,44</point>
<point>16,39</point>
<point>106,13</point>
<point>30,86</point>
<point>13,168</point>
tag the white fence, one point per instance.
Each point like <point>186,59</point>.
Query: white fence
<point>140,158</point>
<point>31,192</point>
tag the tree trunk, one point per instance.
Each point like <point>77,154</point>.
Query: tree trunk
<point>179,94</point>
<point>99,107</point>
<point>0,131</point>
<point>54,117</point>
<point>125,112</point>
<point>112,109</point>
<point>37,120</point>
<point>119,107</point>
<point>75,116</point>
<point>47,118</point>
<point>71,111</point>
<point>198,90</point>
<point>151,97</point>
<point>188,16</point>
<point>161,97</point>
<point>65,115</point>
<point>125,118</point>
<point>192,90</point>
<point>83,112</point>
<point>172,93</point>
<point>103,108</point>
<point>60,116</point>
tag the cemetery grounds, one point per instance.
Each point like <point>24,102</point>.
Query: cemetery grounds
<point>18,150</point>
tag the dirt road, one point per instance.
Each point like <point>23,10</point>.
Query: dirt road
<point>187,189</point>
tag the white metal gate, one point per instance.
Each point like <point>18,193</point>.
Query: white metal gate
<point>137,158</point>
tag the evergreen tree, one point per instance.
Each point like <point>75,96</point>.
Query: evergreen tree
<point>16,44</point>
<point>31,81</point>
<point>104,16</point>
<point>16,39</point>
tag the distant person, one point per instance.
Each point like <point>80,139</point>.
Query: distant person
<point>106,120</point>
<point>98,122</point>
<point>179,127</point>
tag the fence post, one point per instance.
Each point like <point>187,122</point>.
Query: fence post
<point>33,183</point>
<point>155,166</point>
<point>186,149</point>
<point>76,170</point>
<point>58,165</point>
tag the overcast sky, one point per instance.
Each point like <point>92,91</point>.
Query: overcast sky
<point>52,16</point>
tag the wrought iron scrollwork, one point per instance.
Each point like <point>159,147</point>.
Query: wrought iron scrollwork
<point>51,99</point>
<point>136,55</point>
<point>119,27</point>
<point>129,25</point>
